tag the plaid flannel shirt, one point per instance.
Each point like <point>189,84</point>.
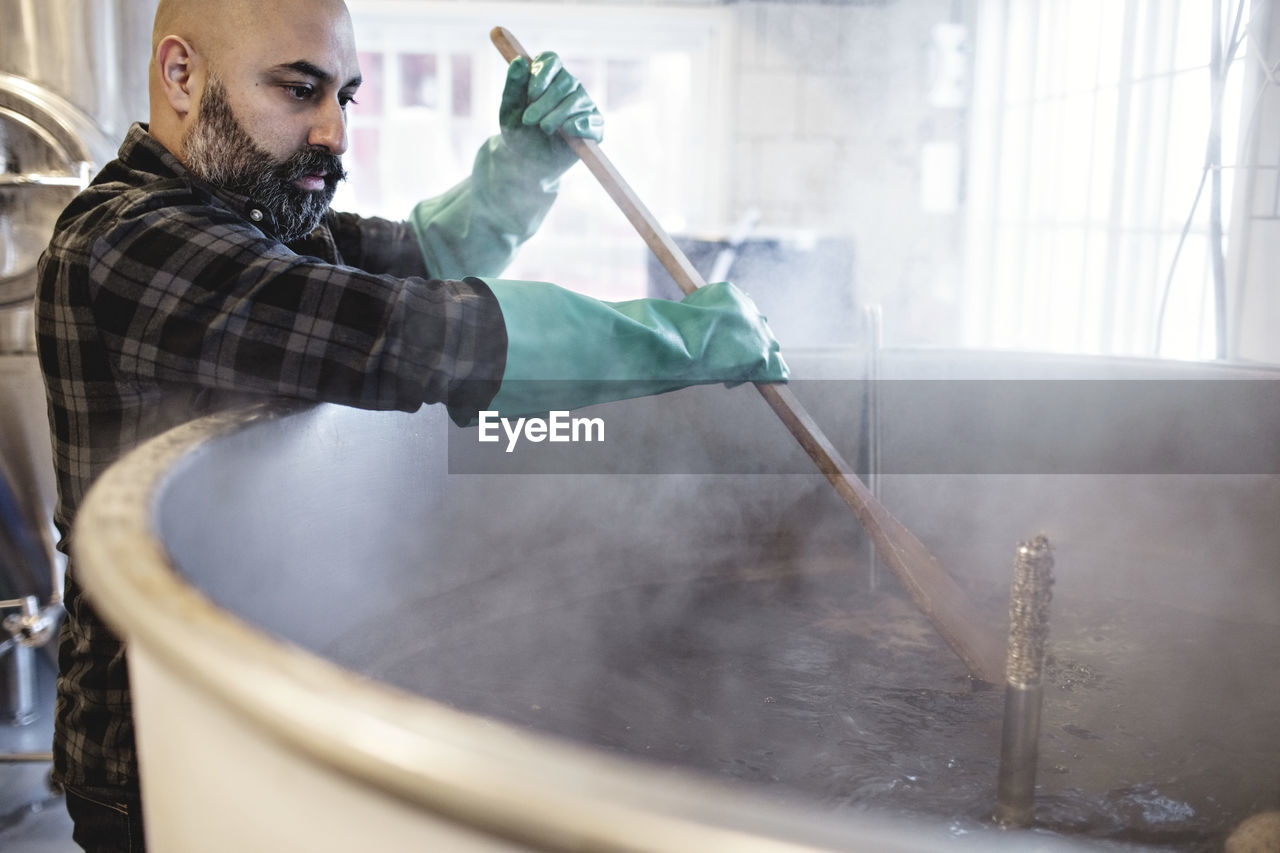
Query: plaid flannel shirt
<point>161,299</point>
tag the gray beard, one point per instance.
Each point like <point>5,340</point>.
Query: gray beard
<point>220,152</point>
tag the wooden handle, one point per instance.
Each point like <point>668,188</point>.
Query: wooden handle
<point>932,590</point>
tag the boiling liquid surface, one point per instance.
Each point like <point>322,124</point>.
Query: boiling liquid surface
<point>1160,729</point>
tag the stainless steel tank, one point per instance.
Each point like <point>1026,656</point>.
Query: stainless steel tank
<point>356,628</point>
<point>93,55</point>
<point>72,78</point>
<point>47,150</point>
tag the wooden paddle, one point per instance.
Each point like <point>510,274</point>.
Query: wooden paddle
<point>933,590</point>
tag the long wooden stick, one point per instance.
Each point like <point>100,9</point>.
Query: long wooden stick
<point>933,590</point>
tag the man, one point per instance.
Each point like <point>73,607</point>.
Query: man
<point>204,267</point>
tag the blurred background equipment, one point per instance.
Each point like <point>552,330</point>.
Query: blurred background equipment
<point>787,275</point>
<point>72,77</point>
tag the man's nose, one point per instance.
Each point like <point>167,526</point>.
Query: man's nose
<point>329,131</point>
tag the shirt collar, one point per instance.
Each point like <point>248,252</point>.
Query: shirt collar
<point>140,145</point>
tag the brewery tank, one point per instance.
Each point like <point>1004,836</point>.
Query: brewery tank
<point>668,640</point>
<point>72,78</point>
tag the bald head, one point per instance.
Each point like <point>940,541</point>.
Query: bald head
<point>182,18</point>
<point>215,24</point>
<point>263,51</point>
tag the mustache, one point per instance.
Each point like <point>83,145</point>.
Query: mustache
<point>314,161</point>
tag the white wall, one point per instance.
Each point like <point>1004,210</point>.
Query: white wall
<point>832,120</point>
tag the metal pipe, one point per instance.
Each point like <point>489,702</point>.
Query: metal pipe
<point>43,179</point>
<point>726,256</point>
<point>1028,630</point>
<point>19,674</point>
<point>873,318</point>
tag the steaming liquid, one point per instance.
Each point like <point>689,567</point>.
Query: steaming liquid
<point>1160,729</point>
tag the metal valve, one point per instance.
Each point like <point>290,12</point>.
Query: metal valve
<point>34,625</point>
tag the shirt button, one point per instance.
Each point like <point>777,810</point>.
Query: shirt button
<point>255,215</point>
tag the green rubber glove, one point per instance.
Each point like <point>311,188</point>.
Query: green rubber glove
<point>566,350</point>
<point>476,227</point>
<point>541,98</point>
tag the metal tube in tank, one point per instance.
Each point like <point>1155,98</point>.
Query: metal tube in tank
<point>873,318</point>
<point>1019,738</point>
<point>1028,629</point>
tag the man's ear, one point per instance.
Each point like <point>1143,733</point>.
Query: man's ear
<point>176,61</point>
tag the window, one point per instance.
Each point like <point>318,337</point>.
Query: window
<point>1092,212</point>
<point>433,82</point>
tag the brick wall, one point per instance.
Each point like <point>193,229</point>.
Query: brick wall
<point>831,116</point>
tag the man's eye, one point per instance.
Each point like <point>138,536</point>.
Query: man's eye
<point>347,100</point>
<point>300,92</point>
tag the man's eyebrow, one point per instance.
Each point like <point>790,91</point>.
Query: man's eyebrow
<point>310,69</point>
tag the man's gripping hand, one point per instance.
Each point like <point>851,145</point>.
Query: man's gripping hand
<point>539,100</point>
